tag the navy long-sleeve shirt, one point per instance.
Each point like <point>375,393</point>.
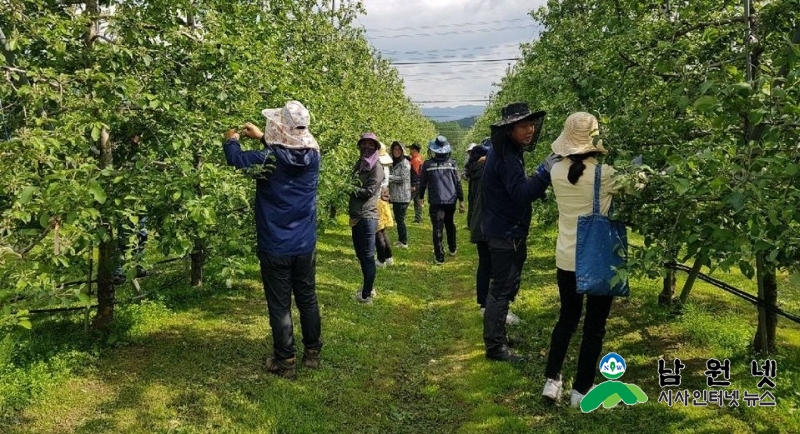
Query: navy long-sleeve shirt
<point>286,203</point>
<point>507,193</point>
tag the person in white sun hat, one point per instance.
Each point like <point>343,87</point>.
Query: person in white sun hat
<point>286,170</point>
<point>573,184</point>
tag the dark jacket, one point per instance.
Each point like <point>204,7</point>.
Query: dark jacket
<point>474,172</point>
<point>507,192</point>
<point>364,199</point>
<point>286,203</point>
<point>440,177</point>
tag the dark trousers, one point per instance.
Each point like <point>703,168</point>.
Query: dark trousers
<point>399,210</point>
<point>507,256</point>
<point>483,275</point>
<point>364,244</point>
<point>283,276</point>
<point>383,245</point>
<point>417,206</point>
<point>594,330</point>
<point>442,220</point>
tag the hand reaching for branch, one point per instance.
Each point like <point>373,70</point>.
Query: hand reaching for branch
<point>252,131</point>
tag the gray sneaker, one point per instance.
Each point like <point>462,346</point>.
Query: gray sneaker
<point>357,297</point>
<point>552,389</point>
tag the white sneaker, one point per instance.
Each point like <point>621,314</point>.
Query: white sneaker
<point>512,319</point>
<point>453,253</point>
<point>389,261</point>
<point>483,311</point>
<point>400,245</point>
<point>380,264</point>
<point>552,389</point>
<point>575,398</point>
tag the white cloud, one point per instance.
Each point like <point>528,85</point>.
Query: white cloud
<point>409,30</point>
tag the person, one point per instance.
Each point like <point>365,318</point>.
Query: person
<point>400,191</point>
<point>440,177</point>
<point>474,173</point>
<point>286,171</point>
<point>416,175</point>
<point>363,210</point>
<point>507,194</point>
<point>573,185</point>
<point>383,244</point>
<point>470,147</point>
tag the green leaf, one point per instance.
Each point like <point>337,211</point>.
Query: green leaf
<point>705,103</point>
<point>98,192</point>
<point>176,195</point>
<point>96,133</point>
<point>26,194</point>
<point>736,200</point>
<point>25,323</point>
<point>794,279</point>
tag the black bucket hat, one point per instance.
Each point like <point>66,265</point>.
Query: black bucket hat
<point>518,112</point>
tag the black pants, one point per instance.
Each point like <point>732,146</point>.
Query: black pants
<point>594,330</point>
<point>507,256</point>
<point>283,276</point>
<point>442,220</point>
<point>417,206</point>
<point>383,245</point>
<point>483,275</point>
<point>400,220</point>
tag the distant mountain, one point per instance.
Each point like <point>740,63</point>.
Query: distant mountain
<point>444,114</point>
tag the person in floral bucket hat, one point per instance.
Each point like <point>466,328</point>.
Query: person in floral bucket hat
<point>286,171</point>
<point>440,178</point>
<point>507,194</point>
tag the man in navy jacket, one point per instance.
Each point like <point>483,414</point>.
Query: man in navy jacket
<point>507,193</point>
<point>286,170</point>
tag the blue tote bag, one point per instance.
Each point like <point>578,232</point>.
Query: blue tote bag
<point>601,245</point>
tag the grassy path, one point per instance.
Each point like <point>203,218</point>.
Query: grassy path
<point>189,362</point>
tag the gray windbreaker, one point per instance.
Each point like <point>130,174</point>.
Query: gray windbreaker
<point>400,179</point>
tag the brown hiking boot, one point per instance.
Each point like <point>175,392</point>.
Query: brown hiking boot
<point>311,359</point>
<point>282,368</point>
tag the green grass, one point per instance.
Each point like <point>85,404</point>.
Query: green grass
<point>189,361</point>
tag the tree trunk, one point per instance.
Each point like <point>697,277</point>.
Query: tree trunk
<point>764,340</point>
<point>668,291</point>
<point>332,211</point>
<point>198,254</point>
<point>107,259</point>
<point>198,258</point>
<point>687,287</point>
<point>105,284</point>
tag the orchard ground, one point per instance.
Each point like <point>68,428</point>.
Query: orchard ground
<point>190,361</point>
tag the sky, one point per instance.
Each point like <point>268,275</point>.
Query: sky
<point>447,30</point>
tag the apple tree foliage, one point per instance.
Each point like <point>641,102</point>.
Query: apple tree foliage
<point>113,111</point>
<point>669,81</point>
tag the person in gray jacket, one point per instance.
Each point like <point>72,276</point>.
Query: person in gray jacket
<point>363,210</point>
<point>400,190</point>
<point>440,177</point>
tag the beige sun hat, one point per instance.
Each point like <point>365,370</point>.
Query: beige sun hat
<point>578,136</point>
<point>288,127</point>
<point>384,156</point>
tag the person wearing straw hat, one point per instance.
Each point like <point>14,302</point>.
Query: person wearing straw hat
<point>507,194</point>
<point>286,171</point>
<point>574,192</point>
<point>440,178</point>
<point>363,210</point>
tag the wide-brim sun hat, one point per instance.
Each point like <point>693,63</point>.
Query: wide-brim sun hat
<point>519,112</point>
<point>516,112</point>
<point>383,155</point>
<point>440,145</point>
<point>369,136</point>
<point>288,127</point>
<point>471,146</point>
<point>578,136</point>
